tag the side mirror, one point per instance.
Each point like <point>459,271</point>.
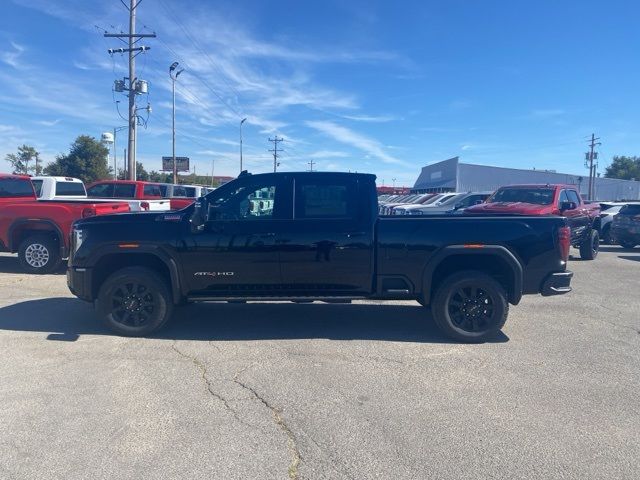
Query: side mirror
<point>568,206</point>
<point>199,217</point>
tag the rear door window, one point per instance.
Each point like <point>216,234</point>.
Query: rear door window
<point>124,190</point>
<point>630,209</point>
<point>152,191</point>
<point>101,190</point>
<point>15,188</point>
<point>316,199</point>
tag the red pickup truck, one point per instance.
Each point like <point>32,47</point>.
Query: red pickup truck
<point>38,230</point>
<point>562,200</point>
<point>141,196</point>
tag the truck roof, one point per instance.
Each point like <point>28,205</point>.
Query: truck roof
<point>57,179</point>
<point>13,175</point>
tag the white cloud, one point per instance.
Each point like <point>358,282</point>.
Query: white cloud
<point>362,142</point>
<point>328,154</point>
<point>11,57</point>
<point>371,118</point>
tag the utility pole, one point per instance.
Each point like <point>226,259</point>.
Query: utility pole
<point>311,165</point>
<point>135,86</point>
<point>275,141</point>
<point>241,122</point>
<point>174,77</point>
<point>591,155</point>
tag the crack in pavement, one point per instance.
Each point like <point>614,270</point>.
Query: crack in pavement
<point>296,458</point>
<point>291,440</point>
<point>203,373</point>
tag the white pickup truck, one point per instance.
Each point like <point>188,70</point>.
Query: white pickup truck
<point>58,188</point>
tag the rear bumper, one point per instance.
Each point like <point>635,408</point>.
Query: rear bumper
<point>79,283</point>
<point>557,283</point>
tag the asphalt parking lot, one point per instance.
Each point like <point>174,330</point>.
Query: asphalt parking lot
<point>315,391</point>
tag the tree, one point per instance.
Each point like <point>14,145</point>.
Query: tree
<point>160,177</point>
<point>141,173</point>
<point>624,167</point>
<point>87,160</point>
<point>20,161</point>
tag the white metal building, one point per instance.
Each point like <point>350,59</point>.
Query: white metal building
<point>452,175</point>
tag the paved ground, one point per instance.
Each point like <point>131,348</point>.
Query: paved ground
<point>269,391</point>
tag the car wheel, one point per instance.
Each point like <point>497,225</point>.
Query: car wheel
<point>134,302</point>
<point>470,306</point>
<point>627,245</point>
<point>39,254</point>
<point>589,248</point>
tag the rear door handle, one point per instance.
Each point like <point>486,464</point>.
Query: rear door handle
<point>267,235</point>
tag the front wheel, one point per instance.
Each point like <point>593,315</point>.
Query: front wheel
<point>470,306</point>
<point>590,246</point>
<point>134,302</point>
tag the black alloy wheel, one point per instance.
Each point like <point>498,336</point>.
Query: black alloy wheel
<point>470,306</point>
<point>134,301</point>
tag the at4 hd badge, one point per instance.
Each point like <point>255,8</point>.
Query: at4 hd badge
<point>213,274</point>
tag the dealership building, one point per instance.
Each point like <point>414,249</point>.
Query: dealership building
<point>452,175</point>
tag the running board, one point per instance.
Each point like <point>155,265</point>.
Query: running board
<point>199,298</point>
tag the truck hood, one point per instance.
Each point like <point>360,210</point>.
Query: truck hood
<point>516,208</point>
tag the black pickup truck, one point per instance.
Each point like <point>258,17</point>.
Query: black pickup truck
<point>314,236</point>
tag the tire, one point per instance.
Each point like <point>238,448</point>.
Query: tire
<point>39,254</point>
<point>134,302</point>
<point>628,245</point>
<point>457,306</point>
<point>589,248</point>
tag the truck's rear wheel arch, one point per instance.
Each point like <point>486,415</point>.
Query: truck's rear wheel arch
<point>112,262</point>
<point>496,261</point>
<point>22,229</point>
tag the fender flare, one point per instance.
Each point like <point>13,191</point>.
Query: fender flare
<point>43,221</point>
<point>160,254</point>
<point>515,294</point>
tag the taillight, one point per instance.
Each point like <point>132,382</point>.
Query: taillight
<point>88,212</point>
<point>564,242</point>
<point>144,205</point>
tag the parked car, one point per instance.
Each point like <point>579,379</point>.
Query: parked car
<point>445,199</point>
<point>420,200</point>
<point>38,230</point>
<point>625,229</point>
<point>141,196</point>
<point>562,200</point>
<point>320,240</point>
<point>58,188</point>
<point>608,211</point>
<point>434,200</point>
<point>454,204</point>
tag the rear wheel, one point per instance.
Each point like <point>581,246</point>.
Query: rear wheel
<point>590,246</point>
<point>470,306</point>
<point>134,302</point>
<point>39,254</point>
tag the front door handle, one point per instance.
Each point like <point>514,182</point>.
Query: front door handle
<point>267,235</point>
<point>355,234</point>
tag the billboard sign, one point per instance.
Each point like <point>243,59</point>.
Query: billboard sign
<point>182,164</point>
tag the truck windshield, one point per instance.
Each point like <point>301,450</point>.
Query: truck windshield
<point>536,196</point>
<point>15,188</point>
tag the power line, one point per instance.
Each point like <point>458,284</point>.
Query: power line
<point>275,141</point>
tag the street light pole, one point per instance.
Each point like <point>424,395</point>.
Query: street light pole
<point>241,122</point>
<point>174,77</point>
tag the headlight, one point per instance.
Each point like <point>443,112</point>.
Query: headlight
<point>78,237</point>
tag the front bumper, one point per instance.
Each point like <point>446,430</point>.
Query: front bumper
<point>79,283</point>
<point>557,283</point>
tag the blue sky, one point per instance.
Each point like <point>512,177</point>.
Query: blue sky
<point>377,86</point>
